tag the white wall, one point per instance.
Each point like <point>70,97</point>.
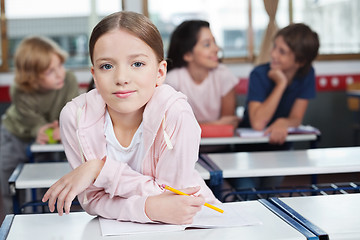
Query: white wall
<point>321,68</point>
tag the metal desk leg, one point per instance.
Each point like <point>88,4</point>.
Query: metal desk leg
<point>12,187</point>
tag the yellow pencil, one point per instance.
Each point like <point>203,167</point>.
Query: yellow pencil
<point>181,193</point>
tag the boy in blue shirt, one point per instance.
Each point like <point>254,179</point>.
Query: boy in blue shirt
<point>279,91</point>
<point>278,94</point>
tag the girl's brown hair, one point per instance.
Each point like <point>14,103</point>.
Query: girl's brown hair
<point>134,23</point>
<point>33,58</point>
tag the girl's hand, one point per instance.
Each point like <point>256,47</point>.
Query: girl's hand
<point>69,186</point>
<point>278,131</point>
<point>172,208</point>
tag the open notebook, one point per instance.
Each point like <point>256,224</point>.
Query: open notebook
<point>302,129</point>
<point>234,215</point>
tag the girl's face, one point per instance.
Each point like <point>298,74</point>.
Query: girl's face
<point>282,57</point>
<point>53,77</point>
<point>125,71</point>
<point>205,52</point>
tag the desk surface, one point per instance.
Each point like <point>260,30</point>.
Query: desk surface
<point>43,175</point>
<point>204,141</point>
<point>83,226</point>
<point>46,147</point>
<point>251,140</point>
<point>282,163</point>
<point>337,215</point>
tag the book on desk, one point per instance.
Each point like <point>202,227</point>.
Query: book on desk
<point>233,216</point>
<point>214,130</point>
<point>302,129</point>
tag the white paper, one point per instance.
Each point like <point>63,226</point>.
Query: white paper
<point>234,216</point>
<point>302,129</point>
<point>249,132</point>
<point>111,227</point>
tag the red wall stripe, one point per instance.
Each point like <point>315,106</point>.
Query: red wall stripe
<point>324,83</point>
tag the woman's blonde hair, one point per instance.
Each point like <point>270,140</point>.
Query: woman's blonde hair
<point>33,58</point>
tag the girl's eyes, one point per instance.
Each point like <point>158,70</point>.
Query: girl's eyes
<point>106,66</point>
<point>137,64</point>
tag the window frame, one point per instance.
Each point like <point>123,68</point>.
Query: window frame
<point>4,41</point>
<point>5,66</point>
<point>252,56</point>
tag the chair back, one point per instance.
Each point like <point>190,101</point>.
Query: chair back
<point>353,102</point>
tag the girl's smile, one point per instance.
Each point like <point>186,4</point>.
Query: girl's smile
<point>124,94</point>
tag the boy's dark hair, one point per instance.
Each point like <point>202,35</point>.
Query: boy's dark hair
<point>182,41</point>
<point>303,42</point>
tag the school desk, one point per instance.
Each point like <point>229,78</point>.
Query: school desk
<point>301,134</point>
<point>35,176</point>
<point>311,137</point>
<point>43,175</point>
<point>337,215</point>
<point>80,225</point>
<point>34,148</point>
<point>285,163</point>
<point>296,137</point>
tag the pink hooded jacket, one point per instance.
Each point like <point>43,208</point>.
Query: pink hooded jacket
<point>120,192</point>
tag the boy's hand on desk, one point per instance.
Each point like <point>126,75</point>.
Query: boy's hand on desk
<point>277,131</point>
<point>172,208</point>
<point>69,186</point>
<point>56,133</point>
<point>43,138</point>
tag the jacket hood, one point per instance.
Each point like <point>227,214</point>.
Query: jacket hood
<point>92,104</point>
<point>154,114</point>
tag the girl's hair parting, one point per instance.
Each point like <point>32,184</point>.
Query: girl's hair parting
<point>134,23</point>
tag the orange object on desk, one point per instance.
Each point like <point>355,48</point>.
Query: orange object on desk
<point>212,130</point>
